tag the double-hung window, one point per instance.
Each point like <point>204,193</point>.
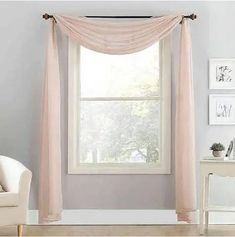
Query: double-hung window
<point>119,112</point>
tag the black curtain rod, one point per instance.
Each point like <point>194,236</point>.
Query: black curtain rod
<point>192,16</point>
<point>118,16</point>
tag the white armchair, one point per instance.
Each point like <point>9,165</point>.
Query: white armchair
<point>15,179</point>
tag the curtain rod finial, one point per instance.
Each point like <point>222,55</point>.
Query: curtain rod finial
<point>193,16</point>
<point>47,16</point>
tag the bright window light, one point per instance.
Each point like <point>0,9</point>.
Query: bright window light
<point>120,109</point>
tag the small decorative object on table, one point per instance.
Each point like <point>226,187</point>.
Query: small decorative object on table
<point>230,148</point>
<point>234,148</point>
<point>217,150</point>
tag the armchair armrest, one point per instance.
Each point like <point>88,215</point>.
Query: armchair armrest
<point>24,187</point>
<point>16,179</point>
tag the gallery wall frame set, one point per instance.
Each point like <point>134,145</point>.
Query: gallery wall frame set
<point>222,77</point>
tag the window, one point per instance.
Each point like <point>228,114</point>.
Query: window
<point>119,111</point>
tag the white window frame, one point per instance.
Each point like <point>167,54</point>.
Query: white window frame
<point>74,167</point>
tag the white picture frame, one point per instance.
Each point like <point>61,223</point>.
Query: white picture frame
<point>222,73</point>
<point>222,109</point>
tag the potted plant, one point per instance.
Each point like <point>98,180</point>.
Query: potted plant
<point>217,149</point>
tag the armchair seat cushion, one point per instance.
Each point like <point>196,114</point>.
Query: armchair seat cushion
<point>9,199</point>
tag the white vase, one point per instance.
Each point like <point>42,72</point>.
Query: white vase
<point>217,154</point>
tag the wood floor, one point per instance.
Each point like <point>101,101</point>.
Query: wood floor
<point>119,230</point>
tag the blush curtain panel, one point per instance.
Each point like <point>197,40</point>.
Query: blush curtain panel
<point>50,195</point>
<point>117,38</point>
<point>185,159</point>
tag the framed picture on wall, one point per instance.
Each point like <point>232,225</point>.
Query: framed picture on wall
<point>222,73</point>
<point>222,109</point>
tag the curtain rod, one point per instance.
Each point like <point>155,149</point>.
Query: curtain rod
<point>192,16</point>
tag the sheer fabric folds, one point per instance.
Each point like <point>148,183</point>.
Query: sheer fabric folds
<point>185,160</point>
<point>50,195</point>
<point>116,38</point>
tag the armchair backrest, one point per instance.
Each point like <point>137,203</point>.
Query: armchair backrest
<point>11,173</point>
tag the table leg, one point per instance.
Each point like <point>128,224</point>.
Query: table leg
<point>202,205</point>
<point>206,203</point>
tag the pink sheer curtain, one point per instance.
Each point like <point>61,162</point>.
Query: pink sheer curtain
<point>50,195</point>
<point>114,38</point>
<point>185,160</point>
<point>117,37</point>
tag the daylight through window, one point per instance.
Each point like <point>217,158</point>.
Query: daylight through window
<point>120,109</point>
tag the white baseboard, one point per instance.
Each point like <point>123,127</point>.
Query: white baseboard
<point>105,216</point>
<point>125,217</point>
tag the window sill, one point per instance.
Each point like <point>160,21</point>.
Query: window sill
<point>119,169</point>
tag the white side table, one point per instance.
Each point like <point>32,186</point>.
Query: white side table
<point>207,167</point>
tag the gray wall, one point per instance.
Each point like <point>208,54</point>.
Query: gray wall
<point>22,52</point>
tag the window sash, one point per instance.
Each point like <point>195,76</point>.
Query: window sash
<point>157,98</point>
<point>74,98</point>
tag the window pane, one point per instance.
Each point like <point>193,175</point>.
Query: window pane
<point>120,131</point>
<point>104,75</point>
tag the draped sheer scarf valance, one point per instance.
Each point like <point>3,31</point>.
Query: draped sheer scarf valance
<point>116,38</point>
